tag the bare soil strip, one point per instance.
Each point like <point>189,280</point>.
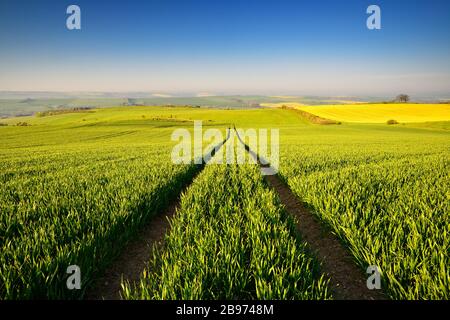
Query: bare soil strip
<point>137,253</point>
<point>133,259</point>
<point>347,281</point>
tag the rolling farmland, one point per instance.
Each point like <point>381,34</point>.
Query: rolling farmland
<point>381,113</point>
<point>230,240</point>
<point>76,206</point>
<point>76,187</point>
<point>387,197</point>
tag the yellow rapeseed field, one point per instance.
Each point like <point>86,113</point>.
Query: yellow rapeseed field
<point>381,113</point>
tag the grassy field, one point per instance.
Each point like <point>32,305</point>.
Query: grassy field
<point>230,240</point>
<point>386,193</point>
<point>75,184</point>
<point>78,205</point>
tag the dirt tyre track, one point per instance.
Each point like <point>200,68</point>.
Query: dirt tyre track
<point>136,254</point>
<point>347,280</point>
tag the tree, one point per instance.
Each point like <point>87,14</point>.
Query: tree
<point>402,98</point>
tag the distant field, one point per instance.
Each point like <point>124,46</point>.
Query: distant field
<point>27,106</point>
<point>283,104</point>
<point>293,102</point>
<point>381,113</point>
<point>24,107</point>
<point>21,105</point>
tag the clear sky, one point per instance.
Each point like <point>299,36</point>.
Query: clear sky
<point>227,47</point>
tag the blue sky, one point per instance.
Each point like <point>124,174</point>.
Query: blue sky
<point>227,47</point>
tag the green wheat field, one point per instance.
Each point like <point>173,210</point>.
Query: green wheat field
<point>77,186</point>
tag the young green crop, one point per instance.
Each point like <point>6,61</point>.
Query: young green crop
<point>387,197</point>
<point>230,240</point>
<point>75,208</point>
<point>74,187</point>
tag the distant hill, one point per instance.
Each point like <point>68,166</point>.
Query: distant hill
<point>28,103</point>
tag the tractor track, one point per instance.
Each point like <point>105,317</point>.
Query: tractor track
<point>136,254</point>
<point>347,280</point>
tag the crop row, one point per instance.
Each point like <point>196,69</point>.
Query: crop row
<point>389,203</point>
<point>76,207</point>
<point>230,239</point>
